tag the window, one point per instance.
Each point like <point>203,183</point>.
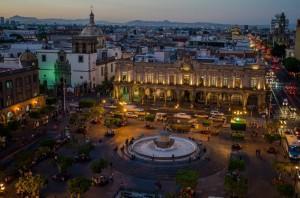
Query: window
<point>186,79</point>
<point>253,83</point>
<point>138,78</point>
<point>172,79</point>
<point>35,79</point>
<point>44,58</point>
<point>214,81</point>
<point>149,77</point>
<point>201,81</point>
<point>237,83</point>
<point>112,68</point>
<point>83,48</point>
<point>9,84</point>
<point>102,73</point>
<point>80,59</point>
<point>161,78</point>
<point>124,76</point>
<point>225,82</point>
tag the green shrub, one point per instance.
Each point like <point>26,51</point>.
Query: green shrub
<point>98,165</point>
<point>272,137</point>
<point>286,190</point>
<point>150,118</point>
<point>85,149</point>
<point>87,103</point>
<point>51,101</point>
<point>13,125</point>
<point>236,164</point>
<point>35,115</point>
<point>187,178</point>
<point>237,136</point>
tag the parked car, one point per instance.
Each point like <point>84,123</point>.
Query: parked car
<point>110,133</point>
<point>236,147</point>
<point>82,158</point>
<point>131,115</point>
<point>182,116</point>
<point>100,180</point>
<point>60,177</point>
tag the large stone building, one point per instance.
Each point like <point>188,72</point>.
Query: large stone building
<point>202,81</point>
<point>19,89</point>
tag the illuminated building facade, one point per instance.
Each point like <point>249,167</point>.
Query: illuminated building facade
<point>191,82</point>
<point>19,89</point>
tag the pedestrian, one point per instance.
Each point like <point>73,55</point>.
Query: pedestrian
<point>208,137</point>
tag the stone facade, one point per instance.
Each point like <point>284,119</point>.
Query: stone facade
<point>191,82</point>
<point>19,92</point>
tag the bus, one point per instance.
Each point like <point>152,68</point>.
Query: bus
<point>292,146</point>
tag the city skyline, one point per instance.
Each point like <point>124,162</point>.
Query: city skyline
<point>227,12</point>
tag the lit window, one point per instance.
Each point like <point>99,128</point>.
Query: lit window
<point>253,83</point>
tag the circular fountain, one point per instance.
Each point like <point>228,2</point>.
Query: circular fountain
<point>164,147</point>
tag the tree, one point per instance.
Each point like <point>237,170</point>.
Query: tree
<point>236,186</point>
<point>87,103</point>
<point>150,118</point>
<point>30,185</point>
<point>292,65</point>
<point>78,186</point>
<point>278,50</point>
<point>236,164</point>
<point>106,87</point>
<point>85,149</point>
<point>98,165</point>
<point>286,190</point>
<point>187,178</point>
<point>63,163</point>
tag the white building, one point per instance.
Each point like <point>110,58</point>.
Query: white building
<point>80,67</point>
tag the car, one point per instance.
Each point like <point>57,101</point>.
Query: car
<point>60,177</point>
<point>131,115</point>
<point>236,147</point>
<point>82,158</point>
<point>110,133</point>
<point>285,102</point>
<point>182,116</point>
<point>216,113</point>
<point>100,180</point>
<point>201,116</point>
<point>272,150</point>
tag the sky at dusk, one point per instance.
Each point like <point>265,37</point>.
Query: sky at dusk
<point>220,11</point>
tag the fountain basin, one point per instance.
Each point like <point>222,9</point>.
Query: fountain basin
<point>179,149</point>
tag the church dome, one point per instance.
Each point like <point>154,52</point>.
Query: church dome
<point>28,59</point>
<point>91,29</point>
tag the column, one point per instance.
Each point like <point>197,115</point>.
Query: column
<point>245,99</point>
<point>142,96</point>
<point>154,96</point>
<point>177,96</point>
<point>165,97</point>
<point>192,98</point>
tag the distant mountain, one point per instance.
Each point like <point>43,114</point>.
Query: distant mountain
<point>164,23</point>
<point>167,23</point>
<point>33,20</point>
